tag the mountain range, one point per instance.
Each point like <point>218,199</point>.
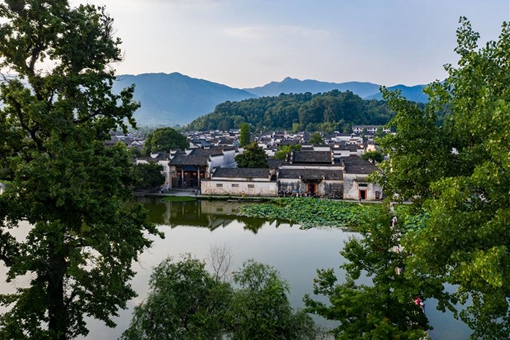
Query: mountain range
<point>176,99</point>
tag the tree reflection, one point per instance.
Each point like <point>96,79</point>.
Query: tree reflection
<point>199,213</point>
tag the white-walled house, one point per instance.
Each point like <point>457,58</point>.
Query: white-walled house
<point>355,180</point>
<point>241,181</point>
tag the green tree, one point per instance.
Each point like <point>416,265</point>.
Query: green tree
<point>148,175</point>
<point>253,156</point>
<point>70,187</point>
<point>316,138</point>
<point>260,307</point>
<point>465,189</point>
<point>376,156</point>
<point>184,302</point>
<point>385,309</point>
<point>164,139</point>
<point>379,132</point>
<point>244,135</point>
<point>187,302</point>
<point>284,150</point>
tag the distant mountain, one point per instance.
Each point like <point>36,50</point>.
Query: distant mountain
<point>291,85</point>
<point>413,93</point>
<point>169,99</point>
<point>363,89</point>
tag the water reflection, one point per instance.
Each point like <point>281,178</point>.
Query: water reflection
<point>193,227</point>
<point>201,213</point>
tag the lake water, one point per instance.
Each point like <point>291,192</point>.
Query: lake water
<point>194,227</point>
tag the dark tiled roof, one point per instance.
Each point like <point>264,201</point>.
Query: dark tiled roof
<point>181,159</point>
<point>357,165</point>
<point>213,151</point>
<point>275,163</point>
<point>241,172</point>
<point>310,174</point>
<point>289,142</point>
<point>350,147</point>
<point>316,157</point>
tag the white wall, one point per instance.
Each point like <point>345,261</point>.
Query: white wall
<point>237,188</point>
<point>352,186</point>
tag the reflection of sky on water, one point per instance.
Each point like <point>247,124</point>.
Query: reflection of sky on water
<point>296,253</point>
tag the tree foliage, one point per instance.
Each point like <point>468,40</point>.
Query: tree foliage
<point>164,139</point>
<point>184,302</point>
<point>261,309</point>
<point>328,112</point>
<point>244,135</point>
<point>187,302</point>
<point>375,156</point>
<point>72,189</point>
<point>459,169</point>
<point>385,309</point>
<point>316,138</point>
<point>148,175</point>
<point>284,150</point>
<point>253,156</point>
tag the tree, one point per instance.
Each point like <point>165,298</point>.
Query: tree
<point>379,132</point>
<point>463,181</point>
<point>164,139</point>
<point>260,307</point>
<point>187,302</point>
<point>148,175</point>
<point>284,150</point>
<point>65,182</point>
<point>376,156</point>
<point>386,308</point>
<point>316,138</point>
<point>184,302</point>
<point>244,135</point>
<point>253,156</point>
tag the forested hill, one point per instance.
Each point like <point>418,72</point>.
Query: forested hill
<point>330,111</point>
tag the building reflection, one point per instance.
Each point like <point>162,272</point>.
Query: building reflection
<point>199,213</point>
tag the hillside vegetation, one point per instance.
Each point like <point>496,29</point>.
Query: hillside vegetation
<point>330,111</point>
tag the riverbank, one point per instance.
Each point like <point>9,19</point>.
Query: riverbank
<point>194,193</point>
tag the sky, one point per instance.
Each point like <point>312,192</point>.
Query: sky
<point>249,43</point>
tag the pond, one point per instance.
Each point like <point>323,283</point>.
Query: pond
<point>194,227</point>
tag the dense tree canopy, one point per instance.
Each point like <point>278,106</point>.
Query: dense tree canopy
<point>149,175</point>
<point>284,150</point>
<point>253,156</point>
<point>164,139</point>
<point>386,308</point>
<point>326,112</point>
<point>458,171</point>
<point>187,302</point>
<point>316,138</point>
<point>244,135</point>
<point>375,156</point>
<point>65,182</point>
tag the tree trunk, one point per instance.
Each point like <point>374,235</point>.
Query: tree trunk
<point>57,324</point>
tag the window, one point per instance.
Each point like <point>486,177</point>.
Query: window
<point>218,185</point>
<point>235,185</point>
<point>251,186</point>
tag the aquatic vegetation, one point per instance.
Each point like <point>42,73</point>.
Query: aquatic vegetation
<point>310,212</point>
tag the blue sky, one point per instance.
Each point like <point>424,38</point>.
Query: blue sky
<point>248,43</point>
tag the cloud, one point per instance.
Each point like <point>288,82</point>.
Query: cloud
<point>264,32</point>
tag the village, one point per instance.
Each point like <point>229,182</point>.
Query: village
<point>333,169</point>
